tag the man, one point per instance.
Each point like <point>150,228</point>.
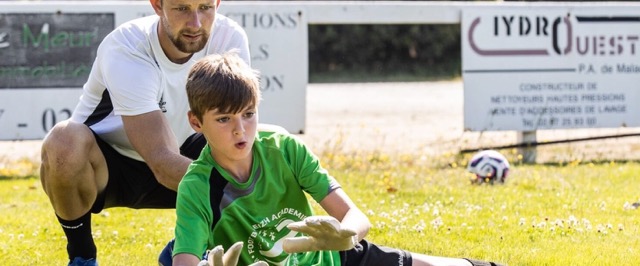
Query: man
<point>128,142</point>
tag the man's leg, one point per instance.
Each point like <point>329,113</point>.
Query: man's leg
<point>73,172</point>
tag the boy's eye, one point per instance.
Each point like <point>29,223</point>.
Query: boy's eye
<point>222,119</point>
<point>249,114</point>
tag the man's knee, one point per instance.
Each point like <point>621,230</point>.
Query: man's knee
<point>65,148</point>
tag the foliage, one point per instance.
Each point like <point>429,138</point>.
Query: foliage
<point>348,53</point>
<point>577,213</point>
<point>20,168</point>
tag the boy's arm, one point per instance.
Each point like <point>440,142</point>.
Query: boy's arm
<point>185,259</point>
<point>339,205</point>
<point>346,226</point>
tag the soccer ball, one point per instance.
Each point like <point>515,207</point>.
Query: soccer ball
<point>489,166</point>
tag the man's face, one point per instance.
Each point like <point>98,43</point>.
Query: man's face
<point>188,23</point>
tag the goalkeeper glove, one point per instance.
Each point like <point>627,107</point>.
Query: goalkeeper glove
<point>217,256</point>
<point>323,233</point>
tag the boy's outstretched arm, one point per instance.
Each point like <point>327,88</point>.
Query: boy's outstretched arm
<point>321,233</point>
<point>342,230</point>
<point>339,205</point>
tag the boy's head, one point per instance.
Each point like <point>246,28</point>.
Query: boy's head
<point>224,82</point>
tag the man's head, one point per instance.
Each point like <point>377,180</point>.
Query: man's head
<point>223,82</point>
<point>185,26</point>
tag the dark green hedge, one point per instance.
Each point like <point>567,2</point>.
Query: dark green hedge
<point>343,53</point>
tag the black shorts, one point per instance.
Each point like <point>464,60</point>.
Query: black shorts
<point>132,183</point>
<point>369,254</point>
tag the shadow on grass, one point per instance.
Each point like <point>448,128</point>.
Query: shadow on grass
<point>28,177</point>
<point>583,162</point>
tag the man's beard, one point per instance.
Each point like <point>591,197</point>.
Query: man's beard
<point>189,47</point>
<point>185,47</point>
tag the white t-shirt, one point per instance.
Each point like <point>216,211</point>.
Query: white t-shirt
<point>131,75</point>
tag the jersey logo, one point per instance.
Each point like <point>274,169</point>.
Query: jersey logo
<point>267,241</point>
<point>162,104</point>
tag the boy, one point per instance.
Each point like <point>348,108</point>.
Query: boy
<point>250,186</point>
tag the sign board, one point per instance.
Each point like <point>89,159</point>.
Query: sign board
<point>47,51</point>
<point>279,49</point>
<point>550,67</point>
<point>44,55</point>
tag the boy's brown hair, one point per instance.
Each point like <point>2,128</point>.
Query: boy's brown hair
<point>224,82</point>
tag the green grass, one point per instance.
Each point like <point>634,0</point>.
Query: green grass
<point>570,214</point>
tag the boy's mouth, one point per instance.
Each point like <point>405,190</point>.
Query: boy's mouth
<point>241,145</point>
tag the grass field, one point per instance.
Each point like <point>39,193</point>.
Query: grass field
<point>577,213</point>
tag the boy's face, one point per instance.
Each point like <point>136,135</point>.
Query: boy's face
<point>230,136</point>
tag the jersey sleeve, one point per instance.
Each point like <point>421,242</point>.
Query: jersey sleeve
<point>130,74</point>
<point>193,216</point>
<point>306,167</point>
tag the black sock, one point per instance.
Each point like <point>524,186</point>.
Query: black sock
<point>79,240</point>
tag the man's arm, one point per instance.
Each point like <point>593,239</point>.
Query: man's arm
<point>153,139</point>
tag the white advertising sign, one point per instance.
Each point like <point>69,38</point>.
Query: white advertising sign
<point>544,67</point>
<point>279,49</point>
<point>46,53</point>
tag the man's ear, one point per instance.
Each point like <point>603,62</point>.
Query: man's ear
<point>157,6</point>
<point>194,122</point>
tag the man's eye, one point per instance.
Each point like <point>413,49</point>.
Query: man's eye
<point>206,7</point>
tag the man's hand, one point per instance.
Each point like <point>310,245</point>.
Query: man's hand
<point>323,233</point>
<point>217,256</point>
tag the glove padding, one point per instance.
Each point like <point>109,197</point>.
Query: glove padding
<point>217,256</point>
<point>323,233</point>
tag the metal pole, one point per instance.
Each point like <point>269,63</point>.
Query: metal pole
<point>529,153</point>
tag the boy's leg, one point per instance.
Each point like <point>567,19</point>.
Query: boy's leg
<point>366,253</point>
<point>482,263</point>
<point>422,259</point>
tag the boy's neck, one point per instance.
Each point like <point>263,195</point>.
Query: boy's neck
<point>239,170</point>
<point>241,177</point>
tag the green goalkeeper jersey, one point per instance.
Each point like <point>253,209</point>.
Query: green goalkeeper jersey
<point>214,209</point>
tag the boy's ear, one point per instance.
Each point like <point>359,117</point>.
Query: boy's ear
<point>194,122</point>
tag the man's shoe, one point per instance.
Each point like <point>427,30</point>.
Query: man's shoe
<point>165,258</point>
<point>79,261</point>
